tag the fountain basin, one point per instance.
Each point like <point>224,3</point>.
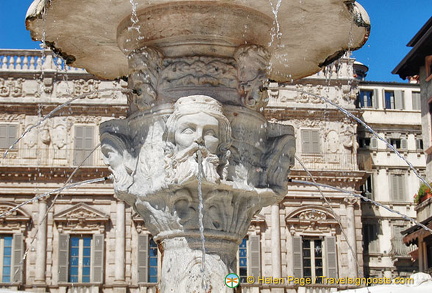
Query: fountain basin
<point>300,36</point>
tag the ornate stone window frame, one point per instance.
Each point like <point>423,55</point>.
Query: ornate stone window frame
<point>15,222</point>
<point>81,218</point>
<point>312,220</point>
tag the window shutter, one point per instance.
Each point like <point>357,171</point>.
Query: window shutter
<point>373,143</point>
<point>398,188</point>
<point>315,141</point>
<point>404,144</point>
<point>306,141</point>
<point>297,256</point>
<point>416,104</point>
<point>63,260</point>
<point>375,99</point>
<point>331,257</point>
<point>143,246</point>
<point>17,266</point>
<point>254,251</point>
<point>310,141</point>
<point>84,144</point>
<point>399,102</point>
<point>8,135</point>
<point>98,258</point>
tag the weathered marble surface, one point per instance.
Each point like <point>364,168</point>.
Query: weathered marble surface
<point>290,32</point>
<point>154,157</point>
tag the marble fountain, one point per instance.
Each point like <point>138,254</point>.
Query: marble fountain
<point>195,157</point>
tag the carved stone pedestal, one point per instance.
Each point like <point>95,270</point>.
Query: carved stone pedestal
<point>195,157</point>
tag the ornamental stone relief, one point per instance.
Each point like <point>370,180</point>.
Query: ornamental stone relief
<point>11,87</point>
<point>240,80</point>
<point>82,86</point>
<point>157,159</point>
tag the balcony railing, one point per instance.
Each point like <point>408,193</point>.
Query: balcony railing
<point>33,61</point>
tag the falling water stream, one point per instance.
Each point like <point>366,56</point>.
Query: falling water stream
<point>201,217</point>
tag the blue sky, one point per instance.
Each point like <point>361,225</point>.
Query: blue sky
<point>394,23</point>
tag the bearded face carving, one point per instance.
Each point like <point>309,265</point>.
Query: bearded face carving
<point>152,155</point>
<point>196,128</point>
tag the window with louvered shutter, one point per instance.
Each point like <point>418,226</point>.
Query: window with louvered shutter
<point>254,258</point>
<point>63,258</point>
<point>297,256</point>
<point>310,141</point>
<point>399,100</point>
<point>143,244</point>
<point>18,250</point>
<point>84,145</point>
<point>8,135</point>
<point>397,187</point>
<point>416,101</point>
<point>98,258</point>
<point>331,257</point>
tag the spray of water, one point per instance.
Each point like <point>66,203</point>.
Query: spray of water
<point>276,33</point>
<point>201,217</point>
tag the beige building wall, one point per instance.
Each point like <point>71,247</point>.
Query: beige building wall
<point>324,220</point>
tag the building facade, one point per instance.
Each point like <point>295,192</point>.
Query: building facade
<point>80,238</point>
<point>392,110</point>
<point>417,64</point>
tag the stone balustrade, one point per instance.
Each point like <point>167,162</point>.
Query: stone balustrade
<point>33,61</point>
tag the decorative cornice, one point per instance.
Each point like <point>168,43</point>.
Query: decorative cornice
<point>81,217</point>
<point>52,174</point>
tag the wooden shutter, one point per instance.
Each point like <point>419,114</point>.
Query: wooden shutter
<point>98,258</point>
<point>63,259</point>
<point>416,102</point>
<point>310,141</point>
<point>17,266</point>
<point>297,256</point>
<point>143,246</point>
<point>306,142</point>
<point>375,99</point>
<point>398,187</point>
<point>254,251</point>
<point>373,143</point>
<point>399,102</point>
<point>8,135</point>
<point>404,144</point>
<point>315,141</point>
<point>331,257</point>
<point>84,143</point>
